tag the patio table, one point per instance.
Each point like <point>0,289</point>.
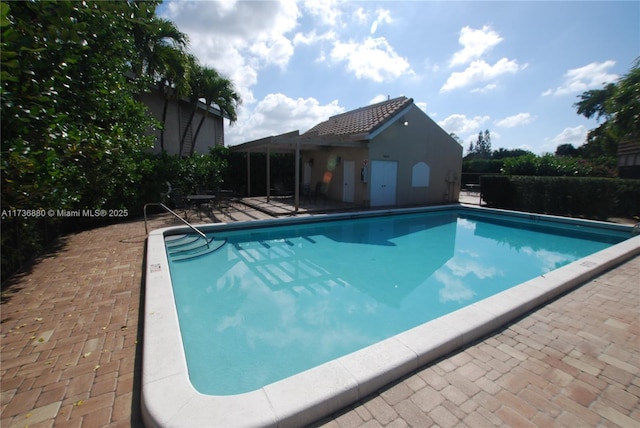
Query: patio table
<point>198,200</point>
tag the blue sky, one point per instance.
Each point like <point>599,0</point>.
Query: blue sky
<point>514,68</point>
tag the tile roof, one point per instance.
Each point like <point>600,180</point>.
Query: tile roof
<point>363,120</point>
<point>629,147</point>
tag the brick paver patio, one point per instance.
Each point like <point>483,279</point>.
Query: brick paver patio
<point>71,342</point>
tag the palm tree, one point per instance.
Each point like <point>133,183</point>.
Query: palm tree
<point>217,90</point>
<point>151,36</point>
<point>172,82</point>
<point>196,85</point>
<point>162,57</point>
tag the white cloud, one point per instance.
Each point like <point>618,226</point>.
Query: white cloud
<point>276,114</point>
<point>487,88</point>
<point>378,99</point>
<point>372,59</point>
<point>479,71</point>
<point>313,37</point>
<point>582,79</point>
<point>575,136</point>
<point>461,124</point>
<point>515,120</point>
<point>454,289</point>
<point>276,50</point>
<point>462,268</point>
<point>237,38</point>
<point>383,17</point>
<point>361,15</point>
<point>475,43</point>
<point>327,11</point>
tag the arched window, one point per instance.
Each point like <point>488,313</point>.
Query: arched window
<point>420,175</point>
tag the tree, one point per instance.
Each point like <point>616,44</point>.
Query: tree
<point>196,82</point>
<point>482,146</point>
<point>161,57</point>
<point>618,106</point>
<point>503,153</point>
<point>566,150</point>
<point>217,90</point>
<point>455,137</point>
<point>73,132</point>
<point>206,84</point>
<point>71,125</point>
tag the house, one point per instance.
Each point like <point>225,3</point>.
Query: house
<point>629,159</point>
<point>385,154</point>
<point>181,125</point>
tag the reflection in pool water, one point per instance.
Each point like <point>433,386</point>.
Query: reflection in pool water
<point>274,302</point>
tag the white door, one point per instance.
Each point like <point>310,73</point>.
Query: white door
<point>348,179</point>
<point>384,175</point>
<point>306,174</point>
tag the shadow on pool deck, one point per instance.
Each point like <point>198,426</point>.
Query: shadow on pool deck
<point>72,329</point>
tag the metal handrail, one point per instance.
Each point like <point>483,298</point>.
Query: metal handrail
<point>146,231</point>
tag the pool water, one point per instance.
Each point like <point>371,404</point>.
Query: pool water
<point>276,301</point>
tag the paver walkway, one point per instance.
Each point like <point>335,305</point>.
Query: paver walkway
<point>71,350</point>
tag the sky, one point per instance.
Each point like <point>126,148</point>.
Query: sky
<point>514,68</point>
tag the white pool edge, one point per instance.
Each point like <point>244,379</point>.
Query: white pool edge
<point>169,400</point>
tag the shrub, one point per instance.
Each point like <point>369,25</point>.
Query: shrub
<point>597,198</point>
<point>559,166</point>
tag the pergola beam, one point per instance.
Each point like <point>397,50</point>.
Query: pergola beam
<point>292,143</point>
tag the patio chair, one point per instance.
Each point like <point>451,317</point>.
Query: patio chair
<point>178,202</point>
<point>320,192</point>
<point>224,199</point>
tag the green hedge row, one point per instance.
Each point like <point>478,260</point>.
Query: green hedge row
<point>27,236</point>
<point>596,198</point>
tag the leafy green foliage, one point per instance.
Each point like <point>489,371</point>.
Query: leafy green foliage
<point>618,106</point>
<point>503,153</point>
<point>597,198</point>
<point>482,146</point>
<point>71,127</point>
<point>195,174</point>
<point>550,165</point>
<point>484,166</point>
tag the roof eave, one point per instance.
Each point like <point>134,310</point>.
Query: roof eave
<point>390,121</point>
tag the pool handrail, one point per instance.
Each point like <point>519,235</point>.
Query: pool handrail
<point>195,229</point>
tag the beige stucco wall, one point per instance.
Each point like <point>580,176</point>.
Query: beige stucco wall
<point>176,118</point>
<point>327,170</point>
<point>421,140</point>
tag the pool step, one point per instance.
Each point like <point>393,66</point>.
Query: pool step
<point>177,241</point>
<point>181,249</point>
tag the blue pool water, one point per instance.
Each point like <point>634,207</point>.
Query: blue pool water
<point>272,302</point>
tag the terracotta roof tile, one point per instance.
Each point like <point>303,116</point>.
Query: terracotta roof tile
<point>360,121</point>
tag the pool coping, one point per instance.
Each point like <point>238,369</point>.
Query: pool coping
<point>169,399</point>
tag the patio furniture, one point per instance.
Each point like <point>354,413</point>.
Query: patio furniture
<point>199,200</point>
<point>176,200</point>
<point>224,197</point>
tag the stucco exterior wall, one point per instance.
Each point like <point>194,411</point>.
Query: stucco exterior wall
<point>326,169</point>
<point>177,117</point>
<point>421,140</point>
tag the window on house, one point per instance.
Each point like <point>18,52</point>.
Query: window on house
<point>420,175</point>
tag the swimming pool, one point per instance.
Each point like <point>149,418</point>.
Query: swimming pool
<point>169,398</point>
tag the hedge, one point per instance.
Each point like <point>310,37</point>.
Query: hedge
<point>595,198</point>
